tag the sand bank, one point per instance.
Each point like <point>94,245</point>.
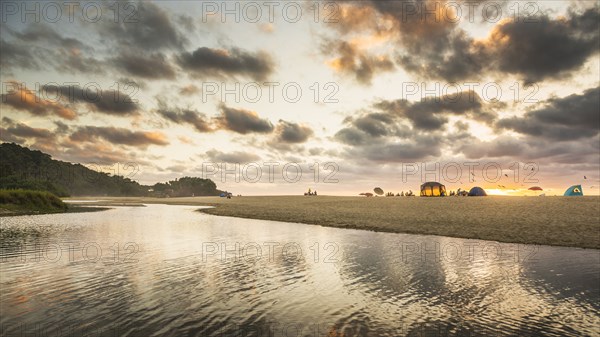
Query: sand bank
<point>561,221</point>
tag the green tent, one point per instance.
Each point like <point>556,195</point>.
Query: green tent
<point>574,191</point>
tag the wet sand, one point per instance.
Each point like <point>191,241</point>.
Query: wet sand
<point>559,221</point>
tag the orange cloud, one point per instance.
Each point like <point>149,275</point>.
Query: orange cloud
<point>26,100</point>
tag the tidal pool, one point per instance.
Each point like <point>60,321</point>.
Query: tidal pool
<point>164,270</point>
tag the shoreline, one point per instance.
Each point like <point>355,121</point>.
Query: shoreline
<point>4,212</point>
<point>378,230</point>
<point>558,221</point>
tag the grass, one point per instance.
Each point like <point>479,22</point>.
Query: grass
<point>558,221</point>
<point>16,202</point>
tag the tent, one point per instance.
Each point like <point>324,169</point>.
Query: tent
<point>433,189</point>
<point>574,191</point>
<point>477,192</point>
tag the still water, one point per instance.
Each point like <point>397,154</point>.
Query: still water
<point>165,270</point>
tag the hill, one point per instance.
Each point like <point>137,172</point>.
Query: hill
<point>22,168</point>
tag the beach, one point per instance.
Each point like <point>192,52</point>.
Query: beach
<point>557,221</point>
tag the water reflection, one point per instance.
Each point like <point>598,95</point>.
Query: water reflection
<point>169,271</point>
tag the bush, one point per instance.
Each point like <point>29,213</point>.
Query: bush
<point>26,200</point>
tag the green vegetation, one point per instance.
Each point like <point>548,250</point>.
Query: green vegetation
<point>30,202</point>
<point>21,168</point>
<point>186,187</point>
<point>34,170</point>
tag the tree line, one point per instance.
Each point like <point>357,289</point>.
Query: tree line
<point>22,168</point>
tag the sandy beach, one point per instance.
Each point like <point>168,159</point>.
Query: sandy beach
<point>560,221</point>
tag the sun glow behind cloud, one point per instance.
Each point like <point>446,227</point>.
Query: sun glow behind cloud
<point>354,108</point>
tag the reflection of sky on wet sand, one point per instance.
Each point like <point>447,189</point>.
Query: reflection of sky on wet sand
<point>164,279</point>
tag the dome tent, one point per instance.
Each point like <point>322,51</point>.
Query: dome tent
<point>574,191</point>
<point>433,189</point>
<point>477,192</point>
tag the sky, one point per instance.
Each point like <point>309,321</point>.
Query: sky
<point>271,98</point>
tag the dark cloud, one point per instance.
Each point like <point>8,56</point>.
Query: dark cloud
<point>401,130</point>
<point>429,45</point>
<point>207,62</point>
<point>180,116</point>
<point>93,153</point>
<point>373,127</point>
<point>448,57</point>
<point>143,25</point>
<point>14,55</point>
<point>119,136</point>
<point>291,133</point>
<point>46,34</point>
<point>61,128</point>
<point>503,146</point>
<point>431,113</point>
<point>40,46</point>
<point>352,136</point>
<point>370,127</point>
<point>20,98</point>
<point>540,47</point>
<point>153,66</point>
<point>382,137</point>
<point>435,46</point>
<point>110,102</point>
<point>18,132</point>
<point>232,157</point>
<point>242,121</point>
<point>74,61</point>
<point>352,60</point>
<point>418,148</point>
<point>375,124</point>
<point>568,118</point>
<point>529,149</point>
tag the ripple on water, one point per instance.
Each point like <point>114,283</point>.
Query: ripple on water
<point>147,272</point>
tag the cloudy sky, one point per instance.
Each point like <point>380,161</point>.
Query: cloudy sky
<point>353,94</point>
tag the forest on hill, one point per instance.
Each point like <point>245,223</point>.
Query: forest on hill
<point>22,168</point>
